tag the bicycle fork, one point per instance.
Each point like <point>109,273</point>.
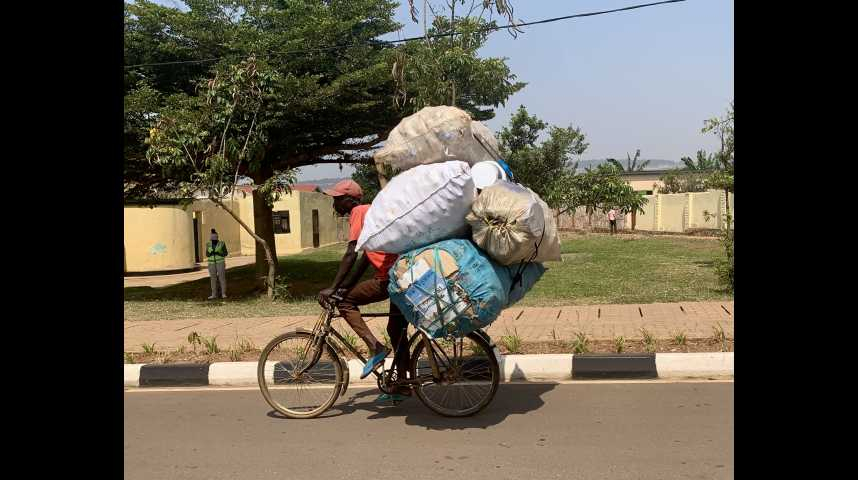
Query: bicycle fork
<point>430,352</point>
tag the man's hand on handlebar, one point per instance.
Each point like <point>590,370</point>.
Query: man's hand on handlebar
<point>329,296</point>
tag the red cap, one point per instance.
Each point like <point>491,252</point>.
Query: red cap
<point>345,187</point>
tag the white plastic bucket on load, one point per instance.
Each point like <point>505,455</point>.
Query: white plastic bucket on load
<point>487,173</point>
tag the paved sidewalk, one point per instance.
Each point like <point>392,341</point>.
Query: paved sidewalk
<point>599,322</point>
<point>174,278</point>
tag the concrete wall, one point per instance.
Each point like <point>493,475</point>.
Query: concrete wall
<point>676,212</point>
<point>327,219</point>
<point>581,220</point>
<point>644,182</point>
<point>209,216</point>
<point>289,242</point>
<point>342,226</point>
<point>705,202</point>
<point>284,242</point>
<point>300,206</point>
<point>158,238</point>
<point>646,220</point>
<point>671,213</point>
<point>248,243</point>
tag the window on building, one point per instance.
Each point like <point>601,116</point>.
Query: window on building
<point>281,222</point>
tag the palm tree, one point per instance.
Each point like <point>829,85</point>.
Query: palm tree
<point>631,166</point>
<point>705,162</point>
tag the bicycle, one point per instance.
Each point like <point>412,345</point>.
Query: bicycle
<point>454,377</point>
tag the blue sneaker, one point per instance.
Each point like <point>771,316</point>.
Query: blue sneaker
<point>391,397</point>
<point>373,362</point>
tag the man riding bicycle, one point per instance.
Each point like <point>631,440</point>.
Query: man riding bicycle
<point>347,196</point>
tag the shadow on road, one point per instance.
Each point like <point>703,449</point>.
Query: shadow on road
<point>511,399</point>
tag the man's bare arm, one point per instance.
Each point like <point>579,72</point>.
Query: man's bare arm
<point>346,265</point>
<point>357,273</point>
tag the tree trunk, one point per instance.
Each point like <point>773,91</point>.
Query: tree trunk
<point>267,251</point>
<point>263,226</point>
<point>634,218</point>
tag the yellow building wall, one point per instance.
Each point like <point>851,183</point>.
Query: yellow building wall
<point>672,212</point>
<point>159,238</point>
<point>245,207</point>
<point>644,183</point>
<point>704,202</point>
<point>327,219</point>
<point>212,216</point>
<point>289,242</point>
<point>285,242</point>
<point>682,211</point>
<point>645,220</point>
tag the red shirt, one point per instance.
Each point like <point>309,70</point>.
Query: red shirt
<point>380,260</point>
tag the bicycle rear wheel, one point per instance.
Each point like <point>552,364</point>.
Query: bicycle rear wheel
<point>292,383</point>
<point>469,375</point>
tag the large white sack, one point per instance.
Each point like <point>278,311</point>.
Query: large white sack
<point>549,249</point>
<point>487,138</point>
<point>434,135</point>
<point>420,206</point>
<point>507,222</point>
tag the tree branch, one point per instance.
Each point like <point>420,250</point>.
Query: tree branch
<point>244,149</point>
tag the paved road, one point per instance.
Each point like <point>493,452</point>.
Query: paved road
<point>543,431</point>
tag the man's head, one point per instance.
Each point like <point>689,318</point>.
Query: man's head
<point>214,235</point>
<point>347,195</point>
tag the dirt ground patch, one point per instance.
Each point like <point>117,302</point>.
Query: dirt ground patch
<point>527,348</point>
<point>630,346</point>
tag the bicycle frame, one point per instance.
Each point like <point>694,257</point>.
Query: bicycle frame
<point>324,330</point>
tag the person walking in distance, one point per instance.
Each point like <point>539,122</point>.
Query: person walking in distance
<point>612,219</point>
<point>216,253</point>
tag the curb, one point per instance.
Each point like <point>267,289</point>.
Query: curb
<point>513,367</point>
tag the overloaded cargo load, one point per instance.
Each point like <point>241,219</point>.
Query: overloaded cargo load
<point>453,288</point>
<point>511,223</point>
<point>507,222</point>
<point>487,173</point>
<point>437,134</point>
<point>549,249</point>
<point>519,286</point>
<point>418,207</point>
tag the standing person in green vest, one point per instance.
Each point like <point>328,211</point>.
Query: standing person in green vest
<point>216,253</point>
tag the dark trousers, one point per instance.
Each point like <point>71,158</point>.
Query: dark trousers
<point>613,226</point>
<point>371,291</point>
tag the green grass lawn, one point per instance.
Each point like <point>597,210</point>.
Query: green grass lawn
<point>597,269</point>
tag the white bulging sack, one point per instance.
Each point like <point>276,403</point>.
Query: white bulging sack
<point>434,135</point>
<point>507,222</point>
<point>418,207</point>
<point>549,248</point>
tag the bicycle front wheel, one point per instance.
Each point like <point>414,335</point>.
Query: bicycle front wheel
<point>469,375</point>
<point>296,380</point>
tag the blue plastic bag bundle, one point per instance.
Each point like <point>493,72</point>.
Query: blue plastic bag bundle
<point>453,288</point>
<point>517,286</point>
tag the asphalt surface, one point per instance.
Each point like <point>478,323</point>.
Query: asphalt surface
<point>542,431</point>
